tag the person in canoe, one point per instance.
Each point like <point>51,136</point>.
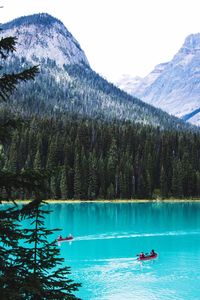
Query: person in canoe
<point>152,253</point>
<point>142,255</point>
<point>147,256</point>
<point>67,238</point>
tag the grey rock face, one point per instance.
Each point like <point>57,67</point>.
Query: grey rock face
<point>41,37</point>
<point>175,86</point>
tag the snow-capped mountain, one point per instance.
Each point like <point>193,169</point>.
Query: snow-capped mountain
<point>139,84</point>
<point>128,83</point>
<point>41,37</point>
<point>175,86</point>
<point>66,83</point>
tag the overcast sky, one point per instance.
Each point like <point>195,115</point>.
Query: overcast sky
<point>119,36</point>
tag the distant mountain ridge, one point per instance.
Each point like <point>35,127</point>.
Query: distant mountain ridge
<point>174,86</point>
<point>66,82</point>
<point>138,84</point>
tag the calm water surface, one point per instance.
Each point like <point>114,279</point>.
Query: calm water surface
<point>107,238</point>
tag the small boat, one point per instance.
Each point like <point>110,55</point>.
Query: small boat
<point>68,238</point>
<point>148,257</point>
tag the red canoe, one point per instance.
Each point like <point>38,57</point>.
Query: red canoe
<point>68,238</point>
<point>147,257</point>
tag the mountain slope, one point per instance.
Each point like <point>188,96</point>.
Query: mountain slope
<point>66,82</point>
<point>176,87</point>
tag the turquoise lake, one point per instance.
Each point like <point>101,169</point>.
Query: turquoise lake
<point>108,236</point>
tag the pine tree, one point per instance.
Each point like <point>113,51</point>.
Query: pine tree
<point>112,165</point>
<point>12,164</point>
<point>122,186</point>
<point>111,192</point>
<point>92,180</point>
<point>84,174</point>
<point>9,237</point>
<point>55,185</point>
<point>141,192</point>
<point>198,183</point>
<point>41,274</point>
<point>163,183</point>
<point>77,177</point>
<point>177,179</point>
<point>63,183</point>
<point>148,186</point>
<point>101,179</point>
<point>37,161</point>
<point>52,159</point>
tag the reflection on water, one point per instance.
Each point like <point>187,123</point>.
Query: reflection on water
<point>141,216</point>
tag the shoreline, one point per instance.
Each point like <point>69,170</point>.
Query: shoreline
<point>70,201</point>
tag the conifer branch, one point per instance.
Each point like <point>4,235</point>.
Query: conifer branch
<point>8,82</point>
<point>7,45</point>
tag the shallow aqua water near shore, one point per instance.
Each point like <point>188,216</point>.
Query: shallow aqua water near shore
<point>109,235</point>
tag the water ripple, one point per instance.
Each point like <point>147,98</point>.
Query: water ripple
<point>133,235</point>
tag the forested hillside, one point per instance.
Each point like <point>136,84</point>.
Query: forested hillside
<point>90,159</point>
<point>79,90</point>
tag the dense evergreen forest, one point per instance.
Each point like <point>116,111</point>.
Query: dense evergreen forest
<point>91,159</point>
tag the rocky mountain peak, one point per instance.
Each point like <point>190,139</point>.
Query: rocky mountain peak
<point>42,19</point>
<point>41,36</point>
<point>175,86</point>
<point>192,43</point>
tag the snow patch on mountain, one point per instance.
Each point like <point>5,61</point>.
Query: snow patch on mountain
<point>128,83</point>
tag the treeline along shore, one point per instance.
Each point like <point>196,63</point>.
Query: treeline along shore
<point>93,159</point>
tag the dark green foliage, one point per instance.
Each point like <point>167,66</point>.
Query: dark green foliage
<point>7,45</point>
<point>8,82</point>
<point>32,270</point>
<point>43,278</point>
<point>64,183</point>
<point>92,178</point>
<point>177,179</point>
<point>163,183</point>
<point>9,237</point>
<point>106,160</point>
